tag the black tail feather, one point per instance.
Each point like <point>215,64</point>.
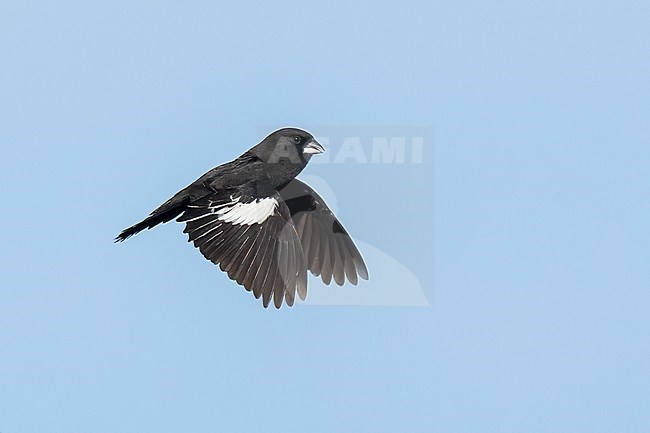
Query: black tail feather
<point>167,212</point>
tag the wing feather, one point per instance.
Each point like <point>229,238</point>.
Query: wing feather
<point>329,251</point>
<point>253,239</point>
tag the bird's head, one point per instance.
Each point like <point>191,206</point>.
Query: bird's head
<point>288,145</point>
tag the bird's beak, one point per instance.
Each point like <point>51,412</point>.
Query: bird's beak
<point>313,147</point>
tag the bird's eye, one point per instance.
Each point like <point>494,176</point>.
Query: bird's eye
<point>297,139</point>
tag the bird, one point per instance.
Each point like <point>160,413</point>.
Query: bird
<point>261,225</point>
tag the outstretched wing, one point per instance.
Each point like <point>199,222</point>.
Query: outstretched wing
<point>329,250</point>
<point>253,240</point>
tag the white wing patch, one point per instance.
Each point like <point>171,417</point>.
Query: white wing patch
<point>255,212</point>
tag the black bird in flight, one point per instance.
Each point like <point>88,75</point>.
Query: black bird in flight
<point>263,227</point>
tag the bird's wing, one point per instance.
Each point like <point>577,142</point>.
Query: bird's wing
<point>329,250</point>
<point>253,240</point>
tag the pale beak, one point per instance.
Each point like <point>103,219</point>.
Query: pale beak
<point>313,147</point>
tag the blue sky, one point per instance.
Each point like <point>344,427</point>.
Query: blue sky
<point>525,226</point>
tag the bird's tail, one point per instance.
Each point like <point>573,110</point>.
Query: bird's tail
<point>166,212</point>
